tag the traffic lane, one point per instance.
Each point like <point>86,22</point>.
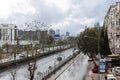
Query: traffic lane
<point>77,70</point>
<point>42,64</point>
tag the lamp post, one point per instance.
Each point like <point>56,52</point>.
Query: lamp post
<point>97,43</point>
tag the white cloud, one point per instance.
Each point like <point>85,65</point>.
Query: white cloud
<point>24,7</point>
<point>66,15</point>
<point>4,8</point>
<point>87,21</point>
<point>11,7</point>
<point>61,4</point>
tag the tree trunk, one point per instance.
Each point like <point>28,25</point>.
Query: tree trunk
<point>27,53</point>
<point>92,60</point>
<point>36,51</point>
<point>49,48</point>
<point>14,56</point>
<point>31,77</point>
<point>53,46</point>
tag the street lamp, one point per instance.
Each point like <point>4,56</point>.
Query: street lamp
<point>98,43</point>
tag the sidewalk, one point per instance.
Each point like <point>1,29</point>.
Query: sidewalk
<point>94,76</point>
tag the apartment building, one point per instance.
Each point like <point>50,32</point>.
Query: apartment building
<point>112,25</point>
<point>8,33</point>
<point>51,32</point>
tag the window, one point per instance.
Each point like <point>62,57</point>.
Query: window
<point>119,21</point>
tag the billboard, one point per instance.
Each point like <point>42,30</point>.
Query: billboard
<point>57,35</point>
<point>102,65</point>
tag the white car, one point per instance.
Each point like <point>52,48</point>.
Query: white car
<point>116,70</point>
<point>110,77</point>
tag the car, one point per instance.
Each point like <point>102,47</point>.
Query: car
<point>95,69</point>
<point>21,55</point>
<point>110,77</point>
<point>116,70</point>
<point>109,70</point>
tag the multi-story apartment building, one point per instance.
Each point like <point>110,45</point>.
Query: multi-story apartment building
<point>8,33</point>
<point>67,34</point>
<point>51,32</point>
<point>37,35</point>
<point>112,25</point>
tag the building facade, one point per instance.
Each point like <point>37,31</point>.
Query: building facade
<point>51,32</point>
<point>37,35</point>
<point>112,26</point>
<point>67,34</point>
<point>8,33</point>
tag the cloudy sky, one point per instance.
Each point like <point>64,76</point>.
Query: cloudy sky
<point>66,15</point>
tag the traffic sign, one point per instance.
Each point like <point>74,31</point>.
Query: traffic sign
<point>57,35</point>
<point>102,65</point>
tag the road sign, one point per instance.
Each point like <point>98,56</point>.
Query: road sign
<point>57,35</point>
<point>102,65</point>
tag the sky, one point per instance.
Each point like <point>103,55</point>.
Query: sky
<point>66,15</point>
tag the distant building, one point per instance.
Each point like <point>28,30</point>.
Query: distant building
<point>63,37</point>
<point>33,35</point>
<point>8,33</point>
<point>57,35</point>
<point>112,26</point>
<point>67,34</point>
<point>97,25</point>
<point>51,32</point>
<point>57,31</point>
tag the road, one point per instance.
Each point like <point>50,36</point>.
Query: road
<point>42,66</point>
<point>76,70</point>
<point>18,56</point>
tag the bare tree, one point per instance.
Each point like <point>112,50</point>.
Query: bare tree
<point>35,36</point>
<point>1,54</point>
<point>13,74</point>
<point>7,47</point>
<point>32,65</point>
<point>1,57</point>
<point>32,68</point>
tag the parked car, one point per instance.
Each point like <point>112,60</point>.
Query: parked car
<point>95,69</point>
<point>110,77</point>
<point>116,70</point>
<point>21,55</point>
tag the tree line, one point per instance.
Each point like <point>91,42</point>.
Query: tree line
<point>92,41</point>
